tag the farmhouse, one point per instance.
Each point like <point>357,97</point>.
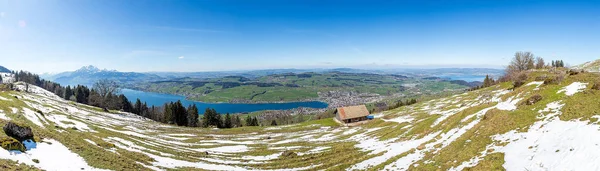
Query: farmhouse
<point>352,114</point>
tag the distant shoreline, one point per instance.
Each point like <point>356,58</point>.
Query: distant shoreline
<point>258,102</point>
<point>221,102</point>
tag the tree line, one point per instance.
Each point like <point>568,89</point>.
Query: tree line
<point>105,94</point>
<point>523,61</point>
<point>487,82</point>
<point>558,63</point>
<point>401,103</point>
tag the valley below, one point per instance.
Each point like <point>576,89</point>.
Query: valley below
<point>336,89</point>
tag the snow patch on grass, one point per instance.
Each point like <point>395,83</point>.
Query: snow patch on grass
<point>509,104</point>
<point>573,88</point>
<point>552,144</point>
<point>32,116</point>
<point>3,116</point>
<point>229,149</point>
<point>182,135</point>
<point>65,122</point>
<point>21,86</point>
<point>90,141</point>
<point>389,147</point>
<point>400,119</point>
<point>5,99</point>
<point>52,156</point>
<point>536,83</point>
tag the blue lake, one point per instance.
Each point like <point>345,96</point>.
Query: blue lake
<point>159,99</point>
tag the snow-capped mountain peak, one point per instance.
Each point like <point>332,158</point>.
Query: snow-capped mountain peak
<point>88,69</point>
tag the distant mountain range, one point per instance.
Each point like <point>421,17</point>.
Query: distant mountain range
<point>4,69</point>
<point>87,75</point>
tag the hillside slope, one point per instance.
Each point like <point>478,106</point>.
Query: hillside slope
<point>486,129</point>
<point>592,66</point>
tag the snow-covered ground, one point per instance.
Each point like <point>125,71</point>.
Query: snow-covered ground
<point>552,144</point>
<point>7,77</point>
<point>573,88</point>
<point>51,154</point>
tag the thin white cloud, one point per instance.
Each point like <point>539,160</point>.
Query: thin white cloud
<point>181,57</point>
<point>190,29</point>
<point>2,14</point>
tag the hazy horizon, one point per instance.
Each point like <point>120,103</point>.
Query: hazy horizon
<point>196,36</point>
<point>383,68</point>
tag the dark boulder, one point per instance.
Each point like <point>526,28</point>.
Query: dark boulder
<point>288,154</point>
<point>17,131</point>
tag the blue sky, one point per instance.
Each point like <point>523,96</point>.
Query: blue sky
<point>204,35</point>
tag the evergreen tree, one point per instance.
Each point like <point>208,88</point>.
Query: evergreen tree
<point>137,107</point>
<point>153,113</point>
<point>168,114</point>
<point>249,121</point>
<point>206,118</point>
<point>125,103</point>
<point>80,96</point>
<point>255,122</point>
<point>227,123</point>
<point>218,121</point>
<point>180,113</point>
<point>273,123</point>
<point>144,110</point>
<point>488,81</point>
<point>562,63</point>
<point>68,93</point>
<point>238,121</point>
<point>192,115</point>
<point>86,94</point>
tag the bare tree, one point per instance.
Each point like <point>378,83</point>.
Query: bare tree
<point>104,87</point>
<point>105,90</point>
<point>539,63</point>
<point>521,62</point>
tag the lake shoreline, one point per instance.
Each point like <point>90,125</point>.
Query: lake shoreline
<point>235,102</point>
<point>159,99</point>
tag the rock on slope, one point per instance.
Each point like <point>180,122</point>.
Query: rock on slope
<point>486,129</point>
